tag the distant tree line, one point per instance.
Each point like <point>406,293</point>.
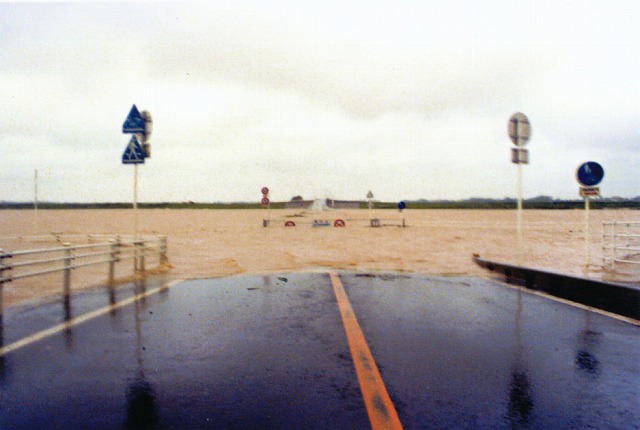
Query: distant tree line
<point>540,202</point>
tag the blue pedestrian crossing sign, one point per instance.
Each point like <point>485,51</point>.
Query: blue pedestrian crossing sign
<point>134,122</point>
<point>133,154</point>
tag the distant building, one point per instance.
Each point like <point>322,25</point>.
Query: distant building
<point>298,204</point>
<point>343,204</point>
<point>329,203</point>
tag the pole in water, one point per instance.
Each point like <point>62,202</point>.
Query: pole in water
<point>587,251</point>
<point>135,201</point>
<point>520,250</point>
<point>35,203</point>
<point>588,175</point>
<point>519,131</point>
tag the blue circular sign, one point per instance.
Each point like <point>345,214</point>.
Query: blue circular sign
<point>402,205</point>
<point>590,174</point>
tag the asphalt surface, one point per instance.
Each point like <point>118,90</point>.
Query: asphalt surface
<point>271,352</point>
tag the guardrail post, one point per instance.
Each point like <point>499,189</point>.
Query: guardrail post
<point>67,269</point>
<point>163,250</point>
<point>627,232</point>
<point>143,248</point>
<point>113,258</point>
<point>604,243</point>
<point>3,279</point>
<point>137,260</point>
<point>135,256</point>
<point>613,233</point>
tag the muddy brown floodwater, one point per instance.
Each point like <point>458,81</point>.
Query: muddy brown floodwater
<point>216,243</point>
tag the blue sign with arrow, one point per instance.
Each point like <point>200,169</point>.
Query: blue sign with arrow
<point>590,174</point>
<point>134,122</point>
<point>133,154</point>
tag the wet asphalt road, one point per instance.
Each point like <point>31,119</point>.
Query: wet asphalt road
<point>271,352</point>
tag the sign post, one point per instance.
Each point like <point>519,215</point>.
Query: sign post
<point>135,152</point>
<point>35,202</point>
<point>135,202</point>
<point>401,206</point>
<point>588,175</point>
<point>265,202</point>
<point>519,130</point>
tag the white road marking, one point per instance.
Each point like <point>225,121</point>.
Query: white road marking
<point>82,318</point>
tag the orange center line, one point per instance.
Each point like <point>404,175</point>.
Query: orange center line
<point>382,413</point>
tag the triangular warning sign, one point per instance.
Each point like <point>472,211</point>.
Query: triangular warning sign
<point>134,122</point>
<point>133,154</point>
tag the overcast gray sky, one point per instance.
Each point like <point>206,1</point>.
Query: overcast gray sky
<point>408,99</point>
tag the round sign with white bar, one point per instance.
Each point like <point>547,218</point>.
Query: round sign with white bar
<point>589,174</point>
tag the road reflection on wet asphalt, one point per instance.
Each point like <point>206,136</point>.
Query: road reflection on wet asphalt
<point>271,352</point>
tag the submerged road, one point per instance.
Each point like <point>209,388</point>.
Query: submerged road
<point>317,350</point>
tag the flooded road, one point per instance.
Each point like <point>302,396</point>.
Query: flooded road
<point>272,352</point>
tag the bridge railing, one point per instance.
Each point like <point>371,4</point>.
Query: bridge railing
<point>15,265</point>
<point>621,242</point>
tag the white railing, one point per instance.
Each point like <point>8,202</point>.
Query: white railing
<point>15,265</point>
<point>620,242</point>
<point>77,238</point>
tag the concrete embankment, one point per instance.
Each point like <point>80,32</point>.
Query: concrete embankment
<point>611,297</point>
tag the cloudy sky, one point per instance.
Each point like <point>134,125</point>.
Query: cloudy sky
<point>408,99</point>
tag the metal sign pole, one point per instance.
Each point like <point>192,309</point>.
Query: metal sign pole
<point>135,202</point>
<point>138,125</point>
<point>587,251</point>
<point>519,130</point>
<point>520,251</point>
<point>589,175</point>
<point>35,203</point>
<point>266,202</point>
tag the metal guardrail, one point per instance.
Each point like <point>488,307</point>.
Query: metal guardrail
<point>60,237</point>
<point>620,242</point>
<point>16,265</point>
<point>379,222</point>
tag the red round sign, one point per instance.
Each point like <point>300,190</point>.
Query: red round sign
<point>265,190</point>
<point>265,201</point>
